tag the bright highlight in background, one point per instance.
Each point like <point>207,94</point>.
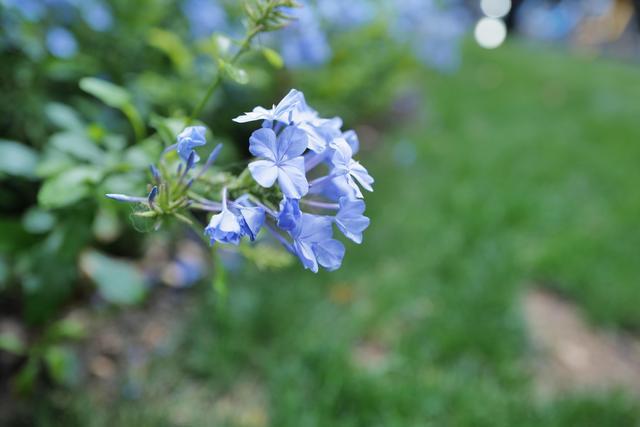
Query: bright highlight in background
<point>495,8</point>
<point>490,32</point>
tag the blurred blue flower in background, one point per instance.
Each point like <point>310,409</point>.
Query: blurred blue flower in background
<point>61,43</point>
<point>204,16</point>
<point>433,30</point>
<point>347,14</point>
<point>303,43</point>
<point>31,10</point>
<point>97,15</point>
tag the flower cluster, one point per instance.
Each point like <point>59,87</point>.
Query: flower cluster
<point>293,143</point>
<point>302,182</point>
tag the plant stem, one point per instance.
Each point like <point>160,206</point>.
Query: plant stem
<point>244,47</point>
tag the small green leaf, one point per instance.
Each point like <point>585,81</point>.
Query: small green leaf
<point>116,97</point>
<point>62,364</point>
<point>236,74</point>
<point>78,145</point>
<point>17,159</point>
<point>106,226</point>
<point>172,46</point>
<point>109,93</point>
<point>64,117</point>
<point>68,187</point>
<point>273,57</point>
<point>26,378</point>
<point>68,328</point>
<point>11,343</point>
<point>118,282</point>
<point>38,221</point>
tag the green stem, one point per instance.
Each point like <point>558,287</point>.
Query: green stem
<point>244,47</point>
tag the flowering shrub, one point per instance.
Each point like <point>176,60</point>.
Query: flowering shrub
<point>292,144</point>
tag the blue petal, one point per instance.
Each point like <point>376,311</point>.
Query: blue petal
<point>252,220</point>
<point>292,142</point>
<point>306,255</point>
<point>263,144</point>
<point>290,214</point>
<point>329,253</point>
<point>292,179</point>
<point>265,172</point>
<point>314,228</point>
<point>350,219</point>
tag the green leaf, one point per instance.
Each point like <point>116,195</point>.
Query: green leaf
<point>118,282</point>
<point>53,162</point>
<point>109,93</point>
<point>37,221</point>
<point>236,74</point>
<point>11,343</point>
<point>77,145</point>
<point>17,159</point>
<point>26,378</point>
<point>68,187</point>
<point>62,364</point>
<point>64,117</point>
<point>273,57</point>
<point>69,328</point>
<point>106,226</point>
<point>172,46</point>
<point>116,97</point>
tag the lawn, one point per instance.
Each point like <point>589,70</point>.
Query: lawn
<point>520,169</point>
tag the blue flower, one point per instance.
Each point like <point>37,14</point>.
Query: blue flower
<point>314,245</point>
<point>188,139</point>
<point>205,17</point>
<point>278,112</point>
<point>281,159</point>
<point>61,43</point>
<point>350,219</point>
<point>224,228</point>
<point>303,43</point>
<point>344,15</point>
<point>251,220</point>
<point>290,214</point>
<point>97,15</point>
<point>349,170</point>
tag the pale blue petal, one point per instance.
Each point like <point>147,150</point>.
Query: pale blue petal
<point>292,179</point>
<point>263,144</point>
<point>265,172</point>
<point>292,142</point>
<point>290,214</point>
<point>329,253</point>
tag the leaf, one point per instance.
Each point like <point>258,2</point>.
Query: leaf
<point>77,145</point>
<point>11,343</point>
<point>172,46</point>
<point>62,364</point>
<point>116,97</point>
<point>273,57</point>
<point>37,221</point>
<point>17,159</point>
<point>109,93</point>
<point>68,187</point>
<point>236,74</point>
<point>118,282</point>
<point>64,117</point>
<point>68,328</point>
<point>106,226</point>
<point>26,378</point>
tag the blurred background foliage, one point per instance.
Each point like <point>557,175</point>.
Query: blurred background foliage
<point>496,170</point>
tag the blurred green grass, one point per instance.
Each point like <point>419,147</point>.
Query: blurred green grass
<point>525,171</point>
